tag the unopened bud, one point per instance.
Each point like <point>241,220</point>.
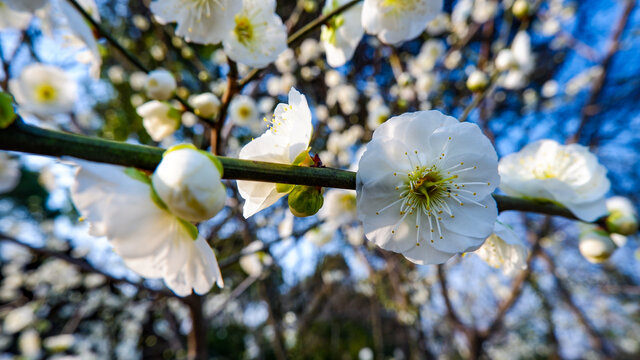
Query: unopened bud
<point>596,246</point>
<point>187,180</point>
<point>521,9</point>
<point>7,114</point>
<point>477,81</point>
<point>206,104</point>
<point>305,200</point>
<point>160,85</point>
<point>505,60</point>
<point>623,218</point>
<point>159,119</point>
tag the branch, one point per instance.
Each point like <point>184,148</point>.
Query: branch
<point>30,139</point>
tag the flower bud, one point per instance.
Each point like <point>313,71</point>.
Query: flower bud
<point>596,245</point>
<point>477,81</point>
<point>7,114</point>
<point>505,60</point>
<point>159,119</point>
<point>305,200</point>
<point>160,85</point>
<point>187,180</point>
<point>623,218</point>
<point>206,104</point>
<point>521,9</point>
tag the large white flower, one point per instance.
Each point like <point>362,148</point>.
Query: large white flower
<point>395,21</point>
<point>120,204</point>
<point>44,90</point>
<point>424,187</point>
<point>504,249</point>
<point>288,136</point>
<point>566,174</point>
<point>199,21</point>
<point>341,35</point>
<point>13,19</point>
<point>258,35</point>
<point>9,173</point>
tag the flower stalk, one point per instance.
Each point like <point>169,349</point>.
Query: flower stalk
<point>30,139</point>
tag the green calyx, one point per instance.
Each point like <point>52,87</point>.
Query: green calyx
<point>305,200</point>
<point>7,114</point>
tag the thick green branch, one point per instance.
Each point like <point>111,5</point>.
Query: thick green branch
<point>26,138</point>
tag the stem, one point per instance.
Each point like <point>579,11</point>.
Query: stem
<point>30,139</point>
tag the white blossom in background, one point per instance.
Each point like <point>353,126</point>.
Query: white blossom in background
<point>517,62</point>
<point>202,22</point>
<point>395,21</point>
<point>287,137</point>
<point>342,34</point>
<point>484,10</point>
<point>377,116</point>
<point>189,183</point>
<point>160,84</point>
<point>26,5</point>
<point>339,207</point>
<point>18,319</point>
<point>159,119</point>
<point>623,216</point>
<point>459,17</point>
<point>242,110</point>
<point>258,35</point>
<point>595,244</point>
<point>59,343</point>
<point>83,34</point>
<point>120,204</point>
<point>44,90</point>
<point>566,174</point>
<point>13,19</point>
<point>309,51</point>
<point>430,52</point>
<point>206,104</point>
<point>504,249</point>
<point>424,187</point>
<point>29,344</point>
<point>9,172</point>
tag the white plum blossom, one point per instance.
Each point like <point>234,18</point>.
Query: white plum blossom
<point>9,172</point>
<point>120,204</point>
<point>518,62</point>
<point>83,34</point>
<point>287,137</point>
<point>18,319</point>
<point>258,35</point>
<point>44,90</point>
<point>566,174</point>
<point>160,84</point>
<point>26,5</point>
<point>424,187</point>
<point>339,207</point>
<point>159,119</point>
<point>377,116</point>
<point>188,182</point>
<point>206,104</point>
<point>395,21</point>
<point>13,19</point>
<point>595,245</point>
<point>504,249</point>
<point>342,33</point>
<point>623,216</point>
<point>199,21</point>
<point>242,110</point>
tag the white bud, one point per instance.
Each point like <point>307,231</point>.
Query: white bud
<point>596,246</point>
<point>505,60</point>
<point>623,218</point>
<point>477,81</point>
<point>521,9</point>
<point>159,119</point>
<point>206,104</point>
<point>160,85</point>
<point>187,180</point>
